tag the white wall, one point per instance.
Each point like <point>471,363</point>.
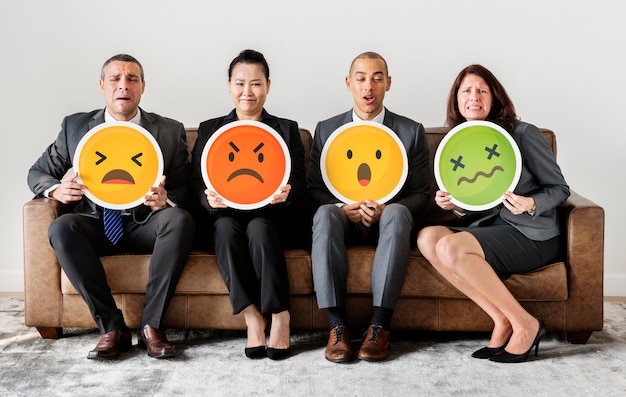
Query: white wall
<point>561,61</point>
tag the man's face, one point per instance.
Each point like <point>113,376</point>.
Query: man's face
<point>122,87</point>
<point>368,81</point>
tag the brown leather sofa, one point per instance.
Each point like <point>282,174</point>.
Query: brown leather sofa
<point>568,295</point>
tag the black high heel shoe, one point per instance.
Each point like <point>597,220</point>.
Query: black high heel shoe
<point>487,352</point>
<point>278,354</point>
<point>255,352</point>
<point>506,357</point>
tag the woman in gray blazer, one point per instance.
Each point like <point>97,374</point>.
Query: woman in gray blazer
<point>518,236</point>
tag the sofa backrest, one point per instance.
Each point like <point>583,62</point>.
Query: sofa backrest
<point>434,135</point>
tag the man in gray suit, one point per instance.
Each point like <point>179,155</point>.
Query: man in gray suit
<point>389,225</point>
<point>158,226</point>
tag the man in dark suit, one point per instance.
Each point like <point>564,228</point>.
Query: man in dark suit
<point>388,225</point>
<point>159,226</point>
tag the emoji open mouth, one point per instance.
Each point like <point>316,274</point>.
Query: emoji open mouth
<point>118,177</point>
<point>480,173</point>
<point>364,174</point>
<point>245,171</point>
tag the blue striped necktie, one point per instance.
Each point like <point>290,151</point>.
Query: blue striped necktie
<point>113,225</point>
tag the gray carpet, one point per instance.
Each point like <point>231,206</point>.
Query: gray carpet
<point>213,364</point>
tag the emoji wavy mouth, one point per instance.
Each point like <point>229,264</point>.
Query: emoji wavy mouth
<point>480,173</point>
<point>364,174</point>
<point>120,177</point>
<point>245,171</point>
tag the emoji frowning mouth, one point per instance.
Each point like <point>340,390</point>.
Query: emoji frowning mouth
<point>120,177</point>
<point>480,173</point>
<point>245,171</point>
<point>364,174</point>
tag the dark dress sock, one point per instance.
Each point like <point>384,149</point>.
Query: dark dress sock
<point>382,317</point>
<point>336,316</point>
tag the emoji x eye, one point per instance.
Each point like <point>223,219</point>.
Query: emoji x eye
<point>135,157</point>
<point>102,157</point>
<point>457,163</point>
<point>492,152</point>
<point>349,154</point>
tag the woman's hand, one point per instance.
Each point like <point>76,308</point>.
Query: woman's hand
<point>214,200</point>
<point>282,195</point>
<point>518,204</point>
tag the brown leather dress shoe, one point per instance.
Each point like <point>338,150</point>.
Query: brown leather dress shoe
<point>376,344</point>
<point>338,348</point>
<point>111,344</point>
<point>155,342</point>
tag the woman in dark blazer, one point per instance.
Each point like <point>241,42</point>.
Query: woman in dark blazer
<point>248,243</point>
<point>518,236</point>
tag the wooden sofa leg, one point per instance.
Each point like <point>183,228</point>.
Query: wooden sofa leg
<point>579,338</point>
<point>50,332</point>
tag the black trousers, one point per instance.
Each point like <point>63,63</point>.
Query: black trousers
<point>79,241</point>
<point>251,260</point>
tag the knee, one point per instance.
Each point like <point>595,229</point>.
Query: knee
<point>179,221</point>
<point>426,242</point>
<point>327,215</point>
<point>59,230</point>
<point>396,214</point>
<point>439,248</point>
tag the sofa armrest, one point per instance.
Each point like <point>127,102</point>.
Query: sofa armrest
<point>583,222</point>
<point>42,273</point>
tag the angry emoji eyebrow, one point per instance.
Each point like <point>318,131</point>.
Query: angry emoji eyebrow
<point>233,146</point>
<point>256,149</point>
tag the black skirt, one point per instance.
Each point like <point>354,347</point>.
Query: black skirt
<point>508,251</point>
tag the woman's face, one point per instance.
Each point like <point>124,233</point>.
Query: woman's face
<point>249,88</point>
<point>474,98</point>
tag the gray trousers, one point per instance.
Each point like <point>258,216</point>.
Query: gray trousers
<point>392,237</point>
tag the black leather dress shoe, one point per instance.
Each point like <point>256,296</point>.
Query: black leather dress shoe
<point>111,344</point>
<point>155,342</point>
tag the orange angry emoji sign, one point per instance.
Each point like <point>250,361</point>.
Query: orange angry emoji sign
<point>245,163</point>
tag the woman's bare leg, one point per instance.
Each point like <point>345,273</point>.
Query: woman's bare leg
<point>459,258</point>
<point>256,324</point>
<point>280,331</point>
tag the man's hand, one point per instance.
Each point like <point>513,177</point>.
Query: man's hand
<point>157,198</point>
<point>69,191</point>
<point>370,212</point>
<point>352,212</point>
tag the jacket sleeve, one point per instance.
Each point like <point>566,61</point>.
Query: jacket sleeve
<point>416,191</point>
<point>52,165</point>
<point>177,173</point>
<point>317,189</point>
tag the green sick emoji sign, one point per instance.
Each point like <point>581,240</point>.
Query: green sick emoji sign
<point>476,163</point>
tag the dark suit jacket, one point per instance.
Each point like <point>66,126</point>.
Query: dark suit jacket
<point>415,192</point>
<point>540,179</point>
<point>50,168</point>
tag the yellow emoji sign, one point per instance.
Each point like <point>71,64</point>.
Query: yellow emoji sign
<point>364,160</point>
<point>118,162</point>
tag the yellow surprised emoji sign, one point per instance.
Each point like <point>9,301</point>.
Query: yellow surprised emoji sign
<point>364,161</point>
